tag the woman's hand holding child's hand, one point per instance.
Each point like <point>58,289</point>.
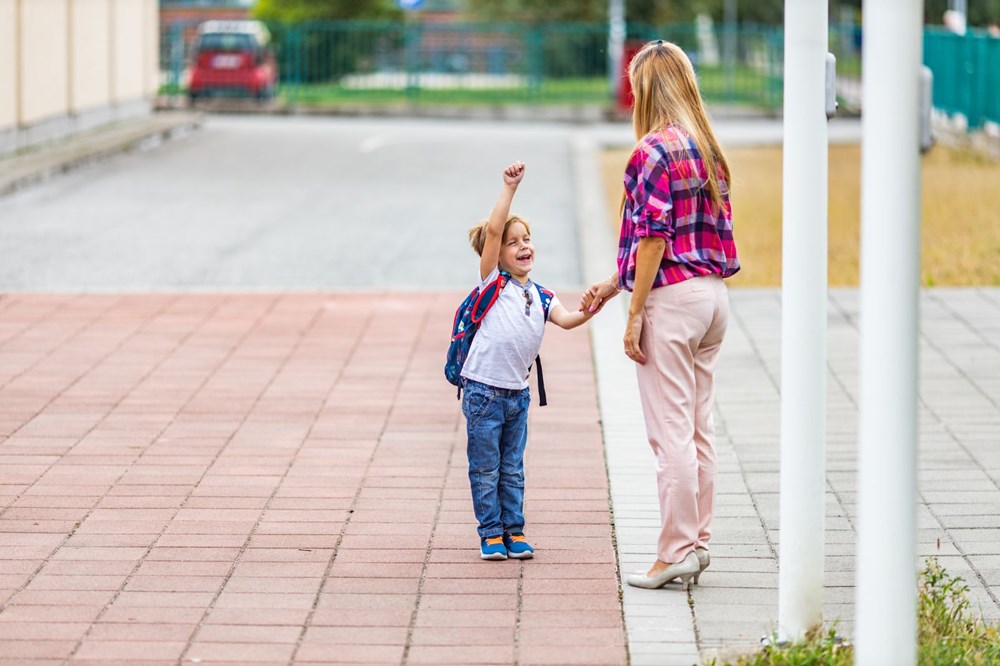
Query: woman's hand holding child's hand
<point>513,174</point>
<point>597,295</point>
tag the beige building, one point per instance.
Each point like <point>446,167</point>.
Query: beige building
<point>70,65</point>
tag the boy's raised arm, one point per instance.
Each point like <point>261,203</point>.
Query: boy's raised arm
<point>512,176</point>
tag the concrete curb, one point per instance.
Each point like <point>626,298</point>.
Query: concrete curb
<point>562,113</point>
<point>40,164</point>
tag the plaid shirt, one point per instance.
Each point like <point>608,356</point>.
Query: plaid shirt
<point>662,200</point>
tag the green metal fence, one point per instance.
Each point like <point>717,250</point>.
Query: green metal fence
<point>966,74</point>
<point>458,64</point>
<point>375,62</point>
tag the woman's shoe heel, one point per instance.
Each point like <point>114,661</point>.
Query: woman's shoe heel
<point>686,581</point>
<point>703,562</point>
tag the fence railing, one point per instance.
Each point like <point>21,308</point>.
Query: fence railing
<point>373,62</point>
<point>966,74</point>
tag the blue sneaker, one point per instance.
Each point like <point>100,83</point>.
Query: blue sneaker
<point>493,549</point>
<point>518,547</point>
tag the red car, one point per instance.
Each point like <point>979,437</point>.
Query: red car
<point>233,58</point>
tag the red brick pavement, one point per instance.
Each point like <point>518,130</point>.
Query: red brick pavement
<point>264,478</point>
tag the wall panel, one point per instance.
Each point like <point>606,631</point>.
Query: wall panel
<point>8,64</point>
<point>44,59</point>
<point>90,50</point>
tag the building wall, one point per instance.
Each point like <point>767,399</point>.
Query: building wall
<point>44,60</point>
<point>66,65</point>
<point>90,52</point>
<point>8,64</point>
<point>151,28</point>
<point>195,14</point>
<point>127,49</point>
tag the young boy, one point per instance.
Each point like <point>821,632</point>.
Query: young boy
<point>495,375</point>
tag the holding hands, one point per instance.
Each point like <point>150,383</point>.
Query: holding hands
<point>598,294</point>
<point>593,300</point>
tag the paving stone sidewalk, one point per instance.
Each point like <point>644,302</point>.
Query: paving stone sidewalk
<point>280,479</point>
<point>265,478</point>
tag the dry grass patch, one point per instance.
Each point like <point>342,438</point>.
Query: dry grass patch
<point>961,215</point>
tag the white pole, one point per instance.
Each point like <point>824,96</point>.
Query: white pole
<point>803,320</point>
<point>616,45</point>
<point>885,593</point>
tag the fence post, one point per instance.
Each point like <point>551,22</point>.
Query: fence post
<point>537,66</point>
<point>176,57</point>
<point>295,41</point>
<point>775,81</point>
<point>980,70</point>
<point>616,46</point>
<point>729,36</point>
<point>413,61</point>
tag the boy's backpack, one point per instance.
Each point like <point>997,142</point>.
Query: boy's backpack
<point>467,320</point>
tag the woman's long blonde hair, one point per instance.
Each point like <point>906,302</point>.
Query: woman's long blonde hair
<point>666,93</point>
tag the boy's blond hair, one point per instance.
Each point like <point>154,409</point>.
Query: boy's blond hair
<point>477,234</point>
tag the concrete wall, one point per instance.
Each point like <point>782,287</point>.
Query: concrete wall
<point>67,65</point>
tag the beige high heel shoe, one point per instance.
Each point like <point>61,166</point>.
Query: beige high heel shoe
<point>703,562</point>
<point>685,570</point>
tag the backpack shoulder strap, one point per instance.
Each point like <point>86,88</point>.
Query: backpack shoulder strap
<point>547,297</point>
<point>488,296</point>
<point>542,400</point>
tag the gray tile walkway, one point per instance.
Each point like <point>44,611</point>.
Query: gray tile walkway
<point>737,601</point>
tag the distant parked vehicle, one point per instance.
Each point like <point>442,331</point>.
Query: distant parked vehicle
<point>233,58</point>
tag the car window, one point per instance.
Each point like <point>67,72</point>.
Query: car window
<point>226,41</point>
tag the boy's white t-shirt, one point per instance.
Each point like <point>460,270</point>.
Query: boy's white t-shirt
<point>508,340</point>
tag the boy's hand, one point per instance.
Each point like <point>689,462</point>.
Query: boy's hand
<point>513,174</point>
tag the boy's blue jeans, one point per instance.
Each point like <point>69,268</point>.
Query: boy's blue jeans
<point>497,423</point>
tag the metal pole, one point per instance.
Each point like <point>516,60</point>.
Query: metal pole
<point>616,45</point>
<point>803,320</point>
<point>885,616</point>
<point>176,32</point>
<point>959,6</point>
<point>729,44</point>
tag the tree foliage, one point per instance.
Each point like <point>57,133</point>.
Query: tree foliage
<point>532,11</point>
<point>293,11</point>
<point>650,12</point>
<point>660,12</point>
<point>653,12</point>
<point>981,12</point>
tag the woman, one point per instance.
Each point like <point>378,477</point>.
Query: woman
<point>675,248</point>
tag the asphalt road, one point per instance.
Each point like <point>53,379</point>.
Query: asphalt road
<point>279,203</point>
